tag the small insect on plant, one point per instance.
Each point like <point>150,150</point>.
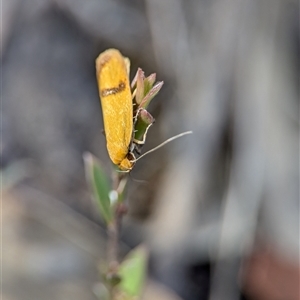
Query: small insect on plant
<point>126,124</point>
<point>126,120</point>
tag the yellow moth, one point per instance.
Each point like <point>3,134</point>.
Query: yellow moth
<point>117,109</point>
<point>116,100</point>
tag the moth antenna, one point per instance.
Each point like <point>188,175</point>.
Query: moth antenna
<point>164,143</point>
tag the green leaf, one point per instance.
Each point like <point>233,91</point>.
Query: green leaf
<point>151,94</point>
<point>139,86</point>
<point>148,83</point>
<point>143,121</point>
<point>99,184</point>
<point>133,272</point>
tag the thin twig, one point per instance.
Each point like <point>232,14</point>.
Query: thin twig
<point>114,229</point>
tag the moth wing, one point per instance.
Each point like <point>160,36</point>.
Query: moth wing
<point>115,94</point>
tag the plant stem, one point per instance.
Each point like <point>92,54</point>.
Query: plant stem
<point>113,246</point>
<point>114,227</point>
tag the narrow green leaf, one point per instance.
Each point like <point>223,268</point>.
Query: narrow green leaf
<point>133,272</point>
<point>139,86</point>
<point>148,83</point>
<point>99,184</point>
<point>151,94</point>
<point>143,122</point>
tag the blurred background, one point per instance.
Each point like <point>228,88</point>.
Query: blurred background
<point>219,209</point>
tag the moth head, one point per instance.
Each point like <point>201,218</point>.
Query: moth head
<point>127,163</point>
